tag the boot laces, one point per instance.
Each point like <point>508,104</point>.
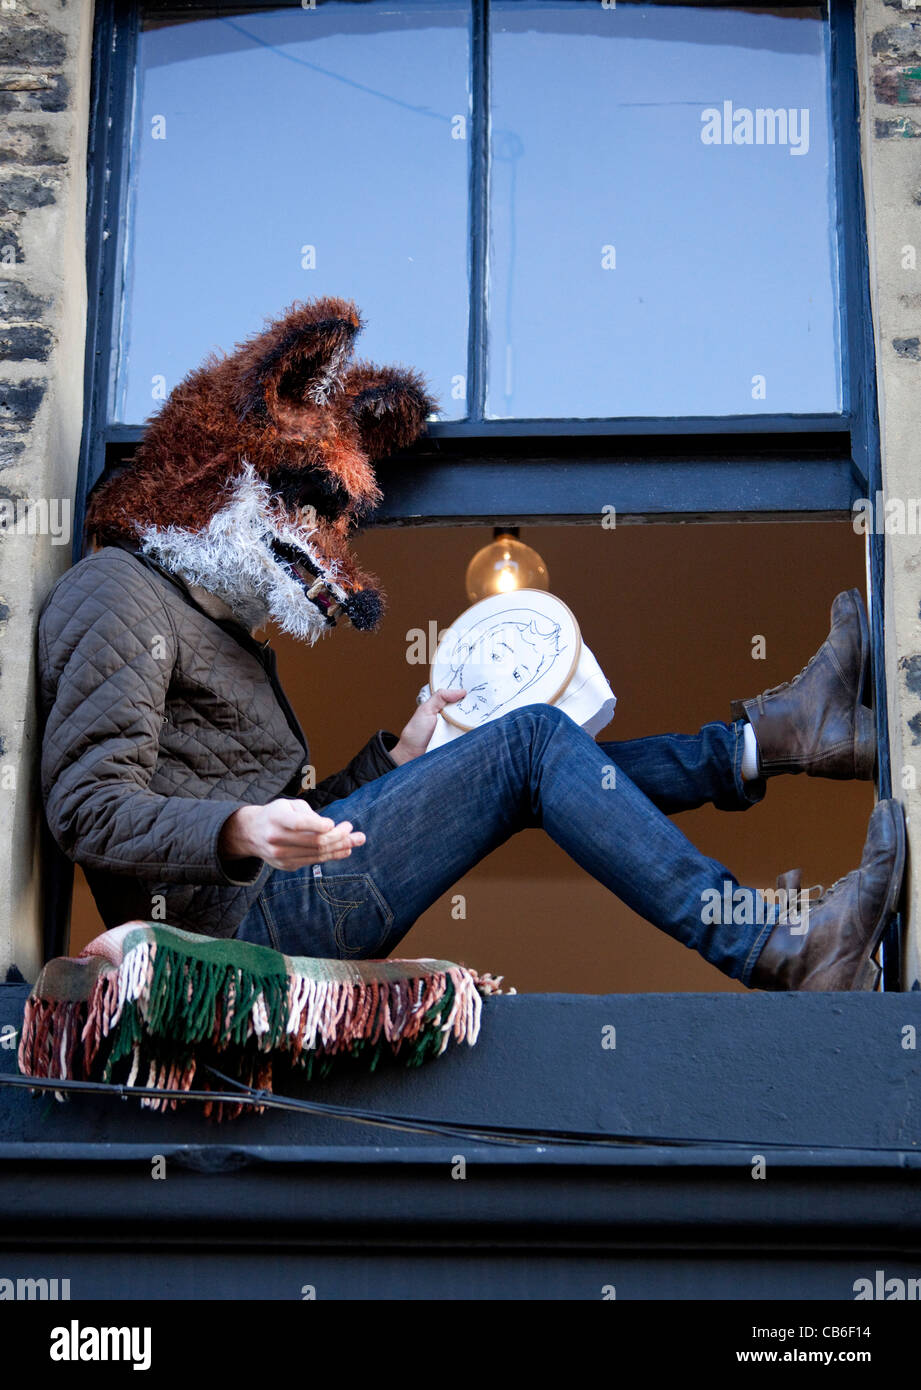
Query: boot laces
<point>815,894</point>
<point>827,892</point>
<point>784,685</point>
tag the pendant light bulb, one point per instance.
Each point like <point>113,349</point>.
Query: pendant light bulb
<point>503,566</point>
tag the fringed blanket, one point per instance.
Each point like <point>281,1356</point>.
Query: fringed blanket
<point>149,1005</point>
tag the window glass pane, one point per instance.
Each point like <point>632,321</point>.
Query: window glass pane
<point>662,203</point>
<point>271,142</point>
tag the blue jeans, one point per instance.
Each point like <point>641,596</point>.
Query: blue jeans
<point>432,819</point>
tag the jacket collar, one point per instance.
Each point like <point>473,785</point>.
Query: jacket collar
<point>229,625</point>
<point>260,650</point>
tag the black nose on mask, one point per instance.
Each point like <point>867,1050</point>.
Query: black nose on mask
<point>365,609</point>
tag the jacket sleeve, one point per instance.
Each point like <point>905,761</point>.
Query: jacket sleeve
<point>370,762</point>
<point>107,648</point>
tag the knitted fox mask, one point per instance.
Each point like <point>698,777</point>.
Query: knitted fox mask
<point>258,465</point>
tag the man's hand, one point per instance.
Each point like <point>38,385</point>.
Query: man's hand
<point>416,736</point>
<point>287,835</point>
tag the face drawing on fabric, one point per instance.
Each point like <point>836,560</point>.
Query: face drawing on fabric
<point>506,657</point>
<point>252,475</point>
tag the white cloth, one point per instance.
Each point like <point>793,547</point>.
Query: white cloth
<point>587,699</point>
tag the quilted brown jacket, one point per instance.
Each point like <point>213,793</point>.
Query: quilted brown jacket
<point>159,723</point>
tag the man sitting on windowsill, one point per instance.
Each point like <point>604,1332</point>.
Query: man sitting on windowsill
<point>172,762</point>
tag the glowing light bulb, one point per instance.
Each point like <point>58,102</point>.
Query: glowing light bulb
<point>503,566</point>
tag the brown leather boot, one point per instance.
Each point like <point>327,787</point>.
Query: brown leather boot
<point>844,925</point>
<point>817,723</point>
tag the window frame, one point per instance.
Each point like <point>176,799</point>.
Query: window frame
<point>753,467</point>
<point>818,458</point>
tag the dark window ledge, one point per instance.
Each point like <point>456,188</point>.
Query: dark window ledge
<point>760,1069</point>
<point>458,479</point>
<point>819,1085</point>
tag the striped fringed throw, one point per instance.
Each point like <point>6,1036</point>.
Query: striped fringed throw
<point>150,1005</point>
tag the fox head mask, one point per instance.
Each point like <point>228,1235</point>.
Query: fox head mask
<point>258,465</point>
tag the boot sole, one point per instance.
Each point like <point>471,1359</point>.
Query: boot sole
<point>865,751</point>
<point>864,646</point>
<point>868,972</point>
<point>864,744</point>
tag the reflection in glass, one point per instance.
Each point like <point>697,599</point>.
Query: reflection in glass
<point>662,208</point>
<point>286,154</point>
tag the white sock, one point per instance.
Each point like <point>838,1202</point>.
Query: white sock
<point>750,761</point>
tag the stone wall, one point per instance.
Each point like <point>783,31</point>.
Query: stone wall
<point>45,58</point>
<point>889,66</point>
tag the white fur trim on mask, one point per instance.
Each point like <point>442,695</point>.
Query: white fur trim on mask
<point>232,557</point>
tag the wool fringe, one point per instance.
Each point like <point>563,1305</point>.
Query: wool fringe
<point>162,1009</point>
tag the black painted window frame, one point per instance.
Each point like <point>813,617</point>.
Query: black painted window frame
<point>759,467</point>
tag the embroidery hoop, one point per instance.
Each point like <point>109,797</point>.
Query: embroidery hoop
<point>551,608</point>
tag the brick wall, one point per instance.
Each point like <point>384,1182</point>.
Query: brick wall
<point>44,108</point>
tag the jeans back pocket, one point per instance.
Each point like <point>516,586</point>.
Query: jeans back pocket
<point>360,915</point>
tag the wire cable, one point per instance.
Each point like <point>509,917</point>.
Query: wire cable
<point>489,1134</point>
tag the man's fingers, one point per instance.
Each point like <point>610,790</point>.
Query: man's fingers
<point>294,827</point>
<point>298,856</point>
<point>297,815</point>
<point>309,840</point>
<point>297,818</point>
<point>290,860</point>
<point>446,697</point>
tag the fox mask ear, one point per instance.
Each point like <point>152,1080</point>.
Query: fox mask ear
<point>298,359</point>
<point>389,406</point>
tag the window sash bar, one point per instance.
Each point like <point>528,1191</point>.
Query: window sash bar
<point>478,237</point>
